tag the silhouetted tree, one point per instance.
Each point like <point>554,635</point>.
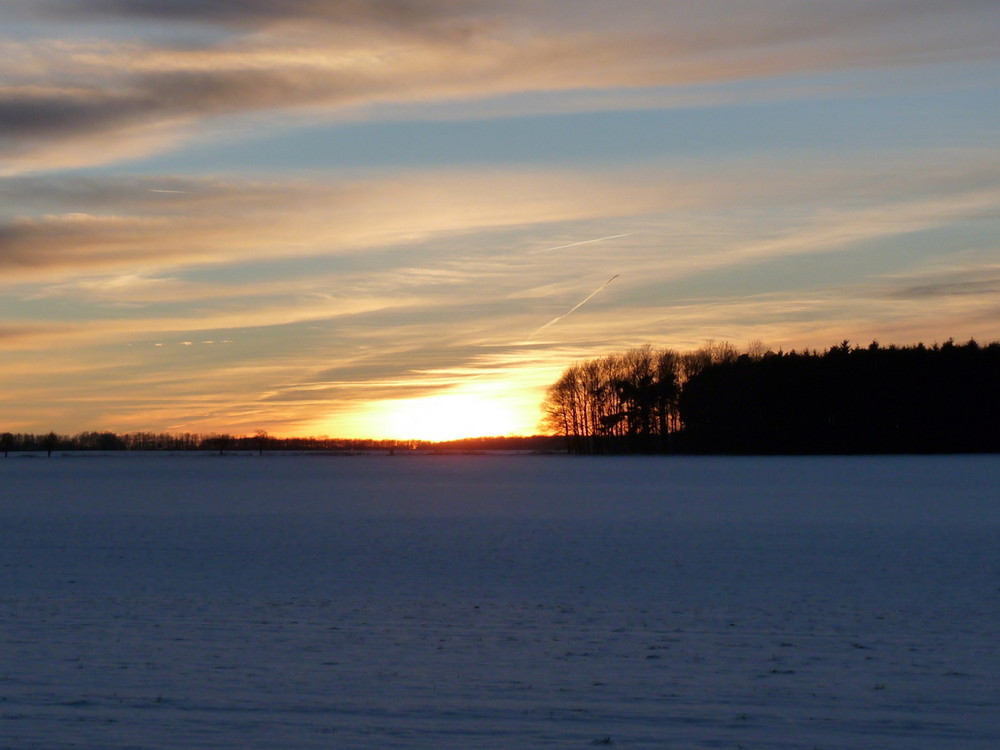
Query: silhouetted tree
<point>858,400</point>
<point>220,442</point>
<point>261,437</point>
<point>623,401</point>
<point>98,441</point>
<point>50,442</point>
<point>873,399</point>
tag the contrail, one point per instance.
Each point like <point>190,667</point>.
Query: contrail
<point>576,307</point>
<point>584,242</point>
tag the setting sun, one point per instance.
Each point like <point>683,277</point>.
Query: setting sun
<point>480,407</point>
<point>447,417</point>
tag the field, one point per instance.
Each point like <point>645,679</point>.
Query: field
<point>515,601</point>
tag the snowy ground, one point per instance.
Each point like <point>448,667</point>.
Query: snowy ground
<point>196,601</point>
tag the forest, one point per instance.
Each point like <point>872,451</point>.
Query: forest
<point>187,441</point>
<point>849,399</point>
<point>259,442</point>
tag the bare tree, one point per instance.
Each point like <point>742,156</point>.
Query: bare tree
<point>628,397</point>
<point>50,442</point>
<point>757,350</point>
<point>261,437</point>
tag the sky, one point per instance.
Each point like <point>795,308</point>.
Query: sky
<point>405,218</point>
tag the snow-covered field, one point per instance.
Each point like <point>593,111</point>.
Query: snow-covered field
<point>196,601</point>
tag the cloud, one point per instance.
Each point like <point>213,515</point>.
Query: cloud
<point>114,239</point>
<point>841,228</point>
<point>404,13</point>
<point>974,276</point>
<point>975,287</point>
<point>59,95</point>
<point>123,223</point>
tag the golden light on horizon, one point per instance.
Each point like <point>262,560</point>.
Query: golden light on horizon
<point>448,417</point>
<point>485,410</point>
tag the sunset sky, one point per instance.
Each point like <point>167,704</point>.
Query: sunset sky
<point>358,218</point>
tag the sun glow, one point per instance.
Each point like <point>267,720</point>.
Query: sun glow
<point>447,417</point>
<point>482,409</point>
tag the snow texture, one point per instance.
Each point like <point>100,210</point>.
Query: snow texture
<point>195,601</point>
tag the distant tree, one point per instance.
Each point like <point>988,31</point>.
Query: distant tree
<point>721,352</point>
<point>109,441</point>
<point>222,442</point>
<point>693,363</point>
<point>261,438</point>
<point>98,441</point>
<point>6,442</point>
<point>50,442</point>
<point>757,350</point>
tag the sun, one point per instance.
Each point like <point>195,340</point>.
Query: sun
<point>482,408</point>
<point>447,417</point>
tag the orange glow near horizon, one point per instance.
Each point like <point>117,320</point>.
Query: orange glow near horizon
<point>447,417</point>
<point>485,410</point>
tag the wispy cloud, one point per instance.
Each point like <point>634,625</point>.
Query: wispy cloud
<point>969,287</point>
<point>59,95</point>
<point>214,221</point>
<point>51,228</point>
<point>404,14</point>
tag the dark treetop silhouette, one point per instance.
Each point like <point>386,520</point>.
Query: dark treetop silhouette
<point>875,399</point>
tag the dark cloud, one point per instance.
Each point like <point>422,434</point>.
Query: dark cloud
<point>955,288</point>
<point>31,121</point>
<point>396,13</point>
<point>150,97</point>
<point>93,223</point>
<point>30,115</point>
<point>61,241</point>
<point>216,92</point>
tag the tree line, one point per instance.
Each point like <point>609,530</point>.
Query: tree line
<point>163,441</point>
<point>848,399</point>
<point>258,442</point>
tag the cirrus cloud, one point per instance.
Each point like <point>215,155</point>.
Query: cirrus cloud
<point>72,100</point>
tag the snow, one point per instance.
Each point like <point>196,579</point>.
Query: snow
<point>196,601</point>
